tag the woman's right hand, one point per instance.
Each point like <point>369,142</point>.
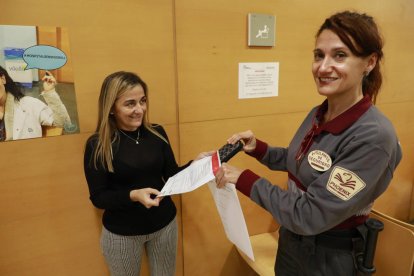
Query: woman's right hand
<point>144,197</point>
<point>227,174</point>
<point>247,137</point>
<point>49,81</point>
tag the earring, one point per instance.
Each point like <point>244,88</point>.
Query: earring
<point>366,73</point>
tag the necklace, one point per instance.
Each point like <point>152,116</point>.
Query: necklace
<point>135,140</point>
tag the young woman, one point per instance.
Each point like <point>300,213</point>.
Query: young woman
<point>22,117</point>
<point>341,159</point>
<point>127,161</point>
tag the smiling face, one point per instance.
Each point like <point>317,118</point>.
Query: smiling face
<point>336,69</point>
<point>129,109</point>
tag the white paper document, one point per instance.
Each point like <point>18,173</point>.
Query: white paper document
<point>197,174</point>
<point>201,172</point>
<point>231,214</point>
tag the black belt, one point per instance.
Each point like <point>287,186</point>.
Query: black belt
<point>335,239</point>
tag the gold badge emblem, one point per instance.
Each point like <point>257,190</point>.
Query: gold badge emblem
<point>319,160</point>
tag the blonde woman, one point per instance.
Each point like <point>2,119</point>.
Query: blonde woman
<point>126,164</point>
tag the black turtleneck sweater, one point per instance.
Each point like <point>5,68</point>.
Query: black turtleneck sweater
<point>147,164</point>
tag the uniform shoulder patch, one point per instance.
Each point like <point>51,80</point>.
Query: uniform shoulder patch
<point>344,183</point>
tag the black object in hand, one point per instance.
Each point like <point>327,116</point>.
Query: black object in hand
<point>227,151</point>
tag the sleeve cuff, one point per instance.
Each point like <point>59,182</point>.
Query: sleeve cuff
<point>51,91</point>
<point>260,150</point>
<point>245,182</point>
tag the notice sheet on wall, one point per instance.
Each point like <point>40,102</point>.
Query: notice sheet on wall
<point>258,79</point>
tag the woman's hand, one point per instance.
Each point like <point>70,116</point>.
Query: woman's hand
<point>247,137</point>
<point>49,81</point>
<point>144,197</point>
<point>204,154</point>
<point>227,174</point>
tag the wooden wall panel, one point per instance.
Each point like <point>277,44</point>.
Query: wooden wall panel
<point>397,26</point>
<point>396,201</point>
<point>208,53</point>
<point>208,60</point>
<point>48,225</point>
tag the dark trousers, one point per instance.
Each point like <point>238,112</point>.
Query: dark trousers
<point>314,255</point>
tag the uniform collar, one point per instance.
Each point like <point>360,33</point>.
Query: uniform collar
<point>344,120</point>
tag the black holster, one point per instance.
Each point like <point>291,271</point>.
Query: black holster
<point>365,246</point>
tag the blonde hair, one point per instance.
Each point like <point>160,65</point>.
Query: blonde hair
<point>112,88</point>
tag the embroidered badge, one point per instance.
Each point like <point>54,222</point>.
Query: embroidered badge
<point>319,160</point>
<point>344,183</point>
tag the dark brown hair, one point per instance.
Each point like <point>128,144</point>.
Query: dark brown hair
<point>360,34</point>
<point>10,85</point>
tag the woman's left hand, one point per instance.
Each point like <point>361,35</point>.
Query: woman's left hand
<point>227,174</point>
<point>146,196</point>
<point>49,81</point>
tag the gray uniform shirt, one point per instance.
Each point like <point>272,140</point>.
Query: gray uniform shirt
<point>349,162</point>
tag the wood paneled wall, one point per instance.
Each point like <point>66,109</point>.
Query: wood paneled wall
<point>211,41</point>
<point>188,52</point>
<point>48,226</point>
